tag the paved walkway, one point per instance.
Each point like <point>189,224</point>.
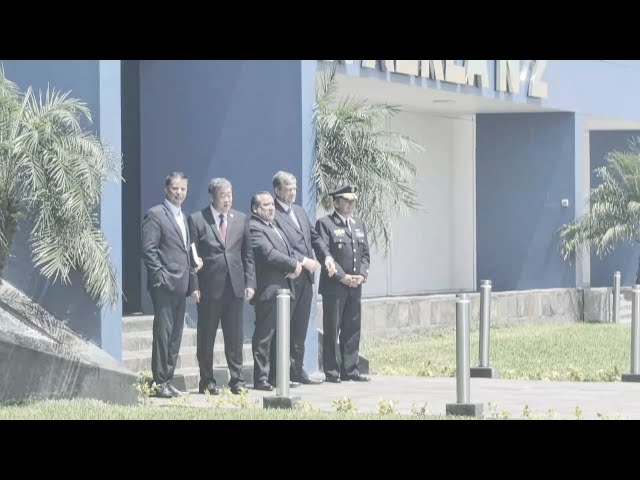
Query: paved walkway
<point>609,399</point>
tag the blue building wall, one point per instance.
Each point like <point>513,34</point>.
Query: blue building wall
<point>524,168</point>
<point>132,286</point>
<point>236,119</point>
<point>111,204</point>
<point>625,256</point>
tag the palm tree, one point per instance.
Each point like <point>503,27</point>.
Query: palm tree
<point>53,169</point>
<point>353,146</point>
<point>615,207</point>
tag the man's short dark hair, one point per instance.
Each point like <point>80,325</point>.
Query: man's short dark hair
<point>255,199</point>
<point>173,175</point>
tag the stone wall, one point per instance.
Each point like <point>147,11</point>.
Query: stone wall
<point>390,316</point>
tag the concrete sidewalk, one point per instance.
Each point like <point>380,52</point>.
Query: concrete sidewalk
<point>609,399</point>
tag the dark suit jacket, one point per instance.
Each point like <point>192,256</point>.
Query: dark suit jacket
<point>168,262</point>
<point>234,257</point>
<point>274,259</point>
<point>303,240</point>
<point>350,251</point>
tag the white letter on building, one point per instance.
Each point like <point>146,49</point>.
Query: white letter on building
<point>538,88</point>
<point>408,67</point>
<point>432,69</point>
<point>508,75</point>
<point>454,73</point>
<point>477,68</point>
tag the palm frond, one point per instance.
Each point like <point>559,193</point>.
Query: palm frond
<point>614,216</point>
<point>55,169</point>
<point>352,146</point>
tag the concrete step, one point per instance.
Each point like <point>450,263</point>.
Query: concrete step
<point>189,378</point>
<point>141,360</point>
<point>143,340</point>
<point>139,339</point>
<point>137,323</point>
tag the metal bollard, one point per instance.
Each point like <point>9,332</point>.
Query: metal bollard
<point>616,297</point>
<point>462,406</point>
<point>462,348</point>
<point>283,359</point>
<point>485,317</point>
<point>282,398</point>
<point>483,370</point>
<point>634,376</point>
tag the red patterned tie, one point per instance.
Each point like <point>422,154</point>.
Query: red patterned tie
<point>223,229</point>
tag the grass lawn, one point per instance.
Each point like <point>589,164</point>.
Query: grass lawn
<point>96,410</point>
<point>577,352</point>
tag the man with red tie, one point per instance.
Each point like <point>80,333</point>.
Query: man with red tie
<point>223,240</point>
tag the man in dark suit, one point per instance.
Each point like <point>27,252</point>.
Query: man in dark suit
<point>303,239</point>
<point>170,279</point>
<point>222,239</point>
<point>276,265</point>
<point>348,243</point>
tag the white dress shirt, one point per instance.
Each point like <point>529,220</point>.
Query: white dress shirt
<point>289,209</point>
<point>177,214</point>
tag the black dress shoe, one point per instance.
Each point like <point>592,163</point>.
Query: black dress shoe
<point>238,389</point>
<point>304,379</point>
<point>356,378</point>
<point>332,379</point>
<point>163,391</point>
<point>292,384</point>
<point>263,385</point>
<point>211,387</point>
<point>175,391</point>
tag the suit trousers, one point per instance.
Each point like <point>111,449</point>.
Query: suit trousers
<point>211,312</point>
<point>300,312</point>
<point>341,320</point>
<point>168,322</point>
<point>264,342</point>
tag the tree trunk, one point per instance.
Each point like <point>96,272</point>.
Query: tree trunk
<point>9,216</point>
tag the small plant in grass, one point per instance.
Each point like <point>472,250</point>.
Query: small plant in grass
<point>526,411</point>
<point>504,414</point>
<point>305,406</point>
<point>393,371</point>
<point>575,374</point>
<point>180,401</point>
<point>216,401</point>
<point>428,369</point>
<point>242,401</point>
<point>492,411</point>
<point>344,405</point>
<point>420,411</point>
<point>145,387</point>
<point>617,416</point>
<point>612,375</point>
<point>577,412</point>
<point>387,407</point>
<point>551,413</point>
